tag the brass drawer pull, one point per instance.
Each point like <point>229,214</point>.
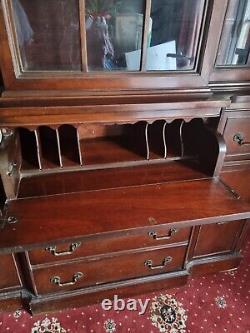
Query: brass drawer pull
<point>57,280</point>
<point>238,137</point>
<point>72,248</point>
<point>149,263</point>
<point>172,232</point>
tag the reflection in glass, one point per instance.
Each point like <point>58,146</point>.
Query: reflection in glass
<point>50,38</point>
<point>176,26</point>
<point>235,40</point>
<point>114,28</point>
<point>47,33</point>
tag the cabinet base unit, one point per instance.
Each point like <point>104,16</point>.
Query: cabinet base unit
<point>90,232</point>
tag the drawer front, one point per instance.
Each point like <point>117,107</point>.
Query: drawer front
<point>106,244</point>
<point>85,273</point>
<point>217,238</point>
<point>9,277</point>
<point>237,137</point>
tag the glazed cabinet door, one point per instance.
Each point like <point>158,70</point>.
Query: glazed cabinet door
<point>132,43</point>
<point>232,62</point>
<point>46,34</point>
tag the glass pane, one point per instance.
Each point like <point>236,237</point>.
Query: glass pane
<point>114,30</point>
<point>235,40</point>
<point>48,34</point>
<point>174,34</point>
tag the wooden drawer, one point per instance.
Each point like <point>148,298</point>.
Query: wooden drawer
<point>102,244</point>
<point>218,238</point>
<point>237,135</point>
<point>9,277</point>
<point>58,278</point>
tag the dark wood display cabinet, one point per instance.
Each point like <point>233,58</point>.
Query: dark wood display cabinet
<point>124,146</point>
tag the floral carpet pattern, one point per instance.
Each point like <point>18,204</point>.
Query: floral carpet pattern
<point>213,304</point>
<point>167,314</point>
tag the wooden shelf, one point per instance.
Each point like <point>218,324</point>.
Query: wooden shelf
<point>75,215</point>
<point>104,144</point>
<point>97,145</point>
<point>88,180</point>
<point>110,150</point>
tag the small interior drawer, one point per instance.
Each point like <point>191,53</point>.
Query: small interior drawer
<point>9,277</point>
<point>85,273</point>
<point>237,136</point>
<point>217,238</point>
<point>102,244</point>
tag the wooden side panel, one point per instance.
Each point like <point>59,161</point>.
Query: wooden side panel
<point>9,277</point>
<point>10,163</point>
<point>239,180</point>
<point>217,238</point>
<point>235,127</point>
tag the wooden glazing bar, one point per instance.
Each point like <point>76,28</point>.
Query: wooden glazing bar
<point>84,53</point>
<point>145,35</point>
<point>12,31</point>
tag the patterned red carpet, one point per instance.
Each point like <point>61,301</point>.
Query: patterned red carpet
<point>213,304</point>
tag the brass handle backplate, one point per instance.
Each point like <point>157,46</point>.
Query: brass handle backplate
<point>72,248</point>
<point>172,232</point>
<point>149,263</point>
<point>7,220</point>
<point>57,280</point>
<point>238,138</point>
<point>12,220</point>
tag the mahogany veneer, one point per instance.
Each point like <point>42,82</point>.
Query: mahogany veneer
<point>77,181</point>
<point>109,243</point>
<point>239,179</point>
<point>9,279</point>
<point>235,126</point>
<point>217,238</point>
<point>119,181</point>
<point>110,269</point>
<point>70,216</point>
